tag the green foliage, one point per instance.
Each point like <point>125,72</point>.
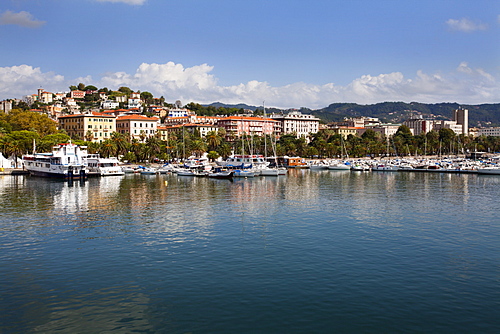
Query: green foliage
<point>125,90</point>
<point>27,120</point>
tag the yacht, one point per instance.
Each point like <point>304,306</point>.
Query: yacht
<point>99,166</point>
<point>65,161</point>
<point>244,161</point>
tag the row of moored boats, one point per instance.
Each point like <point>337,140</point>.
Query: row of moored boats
<point>446,165</point>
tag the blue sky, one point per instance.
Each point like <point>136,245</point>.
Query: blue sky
<point>290,54</point>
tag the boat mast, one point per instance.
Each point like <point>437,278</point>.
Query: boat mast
<point>264,131</point>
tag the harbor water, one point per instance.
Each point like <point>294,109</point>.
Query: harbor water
<point>312,252</point>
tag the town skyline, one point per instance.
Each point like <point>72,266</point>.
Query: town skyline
<point>288,54</point>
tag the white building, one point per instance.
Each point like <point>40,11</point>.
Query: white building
<point>296,122</point>
<point>109,104</point>
<point>495,132</point>
<point>137,126</point>
<point>180,112</point>
<point>459,124</point>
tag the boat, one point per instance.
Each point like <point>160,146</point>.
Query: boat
<point>385,168</point>
<point>148,170</point>
<point>66,161</point>
<point>244,161</point>
<point>243,173</point>
<point>266,171</point>
<point>130,170</point>
<point>318,165</point>
<point>489,170</point>
<point>99,166</point>
<point>336,165</point>
<point>219,173</point>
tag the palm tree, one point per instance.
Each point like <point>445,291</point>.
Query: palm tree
<point>213,140</point>
<point>121,143</point>
<point>152,148</point>
<point>198,147</point>
<point>10,146</point>
<point>107,148</point>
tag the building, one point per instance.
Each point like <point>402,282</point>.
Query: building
<point>345,131</point>
<point>192,119</point>
<point>459,124</point>
<point>134,101</point>
<point>93,126</point>
<point>137,126</point>
<point>461,116</point>
<point>6,106</point>
<point>77,94</point>
<point>419,125</point>
<point>457,128</point>
<point>297,123</point>
<point>201,129</point>
<point>237,126</point>
<point>385,130</point>
<point>493,131</point>
<point>180,112</point>
<point>109,104</point>
<point>46,97</point>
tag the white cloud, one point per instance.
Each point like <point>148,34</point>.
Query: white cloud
<point>465,25</point>
<point>196,84</point>
<point>18,81</point>
<point>23,19</point>
<point>128,2</point>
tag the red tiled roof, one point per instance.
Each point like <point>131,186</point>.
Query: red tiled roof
<point>137,117</point>
<point>92,114</point>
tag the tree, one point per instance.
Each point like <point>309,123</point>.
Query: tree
<point>147,97</point>
<point>125,90</point>
<point>28,120</point>
<point>81,86</point>
<point>212,155</point>
<point>213,140</point>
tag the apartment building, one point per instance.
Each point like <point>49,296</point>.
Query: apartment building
<point>137,126</point>
<point>296,122</point>
<point>92,126</point>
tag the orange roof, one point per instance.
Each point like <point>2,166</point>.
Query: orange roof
<point>137,117</point>
<point>92,114</point>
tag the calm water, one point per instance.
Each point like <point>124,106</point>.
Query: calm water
<point>313,252</point>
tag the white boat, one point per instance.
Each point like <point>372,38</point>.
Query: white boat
<point>197,163</point>
<point>243,173</point>
<point>360,167</point>
<point>65,161</point>
<point>385,167</point>
<point>220,173</point>
<point>130,169</point>
<point>99,166</point>
<point>244,161</point>
<point>339,166</point>
<point>148,170</point>
<point>269,171</point>
<point>282,171</point>
<point>318,165</point>
<point>490,170</point>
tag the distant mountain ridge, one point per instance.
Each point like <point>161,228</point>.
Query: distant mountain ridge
<point>394,112</point>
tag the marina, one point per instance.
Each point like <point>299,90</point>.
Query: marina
<point>315,251</point>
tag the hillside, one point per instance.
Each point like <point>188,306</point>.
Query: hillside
<point>396,112</point>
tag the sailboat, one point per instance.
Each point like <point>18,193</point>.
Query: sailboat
<point>267,171</point>
<point>339,165</point>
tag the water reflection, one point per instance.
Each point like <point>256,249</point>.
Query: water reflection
<point>153,253</point>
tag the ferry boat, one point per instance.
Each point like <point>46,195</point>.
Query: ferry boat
<point>65,161</point>
<point>99,166</point>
